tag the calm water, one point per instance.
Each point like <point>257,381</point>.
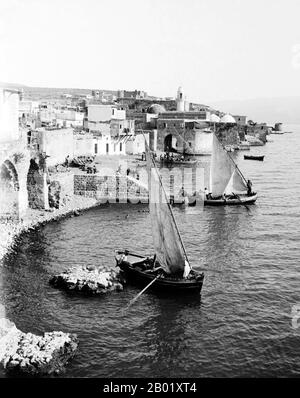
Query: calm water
<point>241,326</point>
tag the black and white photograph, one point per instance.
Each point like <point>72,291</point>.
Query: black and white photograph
<point>149,192</point>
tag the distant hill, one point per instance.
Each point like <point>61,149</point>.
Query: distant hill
<point>12,85</point>
<point>46,93</point>
<point>270,110</point>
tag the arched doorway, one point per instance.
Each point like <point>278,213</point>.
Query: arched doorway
<point>170,143</point>
<point>9,191</point>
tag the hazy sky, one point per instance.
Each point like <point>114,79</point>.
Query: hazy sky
<point>215,49</point>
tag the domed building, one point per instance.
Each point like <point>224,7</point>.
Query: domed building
<point>214,118</point>
<point>228,119</point>
<point>156,109</point>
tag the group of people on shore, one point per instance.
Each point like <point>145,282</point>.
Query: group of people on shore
<point>170,157</point>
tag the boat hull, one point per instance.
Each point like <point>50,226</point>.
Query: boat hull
<point>244,200</point>
<point>137,276</point>
<point>249,157</point>
<point>175,162</point>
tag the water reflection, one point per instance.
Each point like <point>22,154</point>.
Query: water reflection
<point>168,333</point>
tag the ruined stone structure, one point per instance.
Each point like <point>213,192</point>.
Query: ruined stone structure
<point>14,165</point>
<point>19,185</point>
<point>229,134</point>
<point>23,180</point>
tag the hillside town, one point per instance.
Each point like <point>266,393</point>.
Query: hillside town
<point>63,156</point>
<point>149,193</point>
<point>43,139</point>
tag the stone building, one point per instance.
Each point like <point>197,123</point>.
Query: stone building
<point>240,120</point>
<point>184,135</point>
<point>122,127</point>
<point>132,105</point>
<point>69,117</point>
<point>56,143</point>
<point>183,130</point>
<point>14,157</point>
<point>258,130</point>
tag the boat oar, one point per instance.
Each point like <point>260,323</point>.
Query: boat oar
<point>142,291</point>
<point>237,196</point>
<point>127,252</point>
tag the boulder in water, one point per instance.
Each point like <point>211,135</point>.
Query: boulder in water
<point>89,280</point>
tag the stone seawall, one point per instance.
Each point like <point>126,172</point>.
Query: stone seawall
<point>78,192</point>
<point>10,231</point>
<point>115,189</point>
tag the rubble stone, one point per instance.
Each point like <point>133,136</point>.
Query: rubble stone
<point>36,355</point>
<point>89,280</point>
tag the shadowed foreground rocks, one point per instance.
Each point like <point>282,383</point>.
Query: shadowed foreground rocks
<point>35,355</point>
<point>89,280</point>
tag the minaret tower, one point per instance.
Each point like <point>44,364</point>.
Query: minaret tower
<point>180,100</point>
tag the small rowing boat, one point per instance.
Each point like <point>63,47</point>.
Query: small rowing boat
<point>254,157</point>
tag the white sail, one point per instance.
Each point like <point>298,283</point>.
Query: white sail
<point>236,184</point>
<point>169,249</point>
<point>239,184</point>
<point>220,169</point>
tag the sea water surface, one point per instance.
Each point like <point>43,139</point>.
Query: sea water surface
<point>242,325</point>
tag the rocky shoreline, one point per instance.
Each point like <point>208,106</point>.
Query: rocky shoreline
<point>11,232</point>
<point>32,354</point>
<point>26,352</point>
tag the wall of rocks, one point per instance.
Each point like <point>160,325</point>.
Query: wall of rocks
<point>229,134</point>
<point>54,194</point>
<point>115,189</point>
<point>61,189</point>
<point>36,186</point>
<point>232,134</point>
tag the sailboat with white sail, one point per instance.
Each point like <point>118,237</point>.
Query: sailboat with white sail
<point>228,186</point>
<point>169,268</point>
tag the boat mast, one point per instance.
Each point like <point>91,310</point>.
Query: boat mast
<point>167,201</point>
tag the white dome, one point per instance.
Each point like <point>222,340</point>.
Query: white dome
<point>214,118</point>
<point>227,119</point>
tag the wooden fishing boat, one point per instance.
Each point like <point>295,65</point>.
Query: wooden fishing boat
<point>254,157</point>
<point>232,200</point>
<point>169,269</point>
<point>228,186</point>
<point>143,272</point>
